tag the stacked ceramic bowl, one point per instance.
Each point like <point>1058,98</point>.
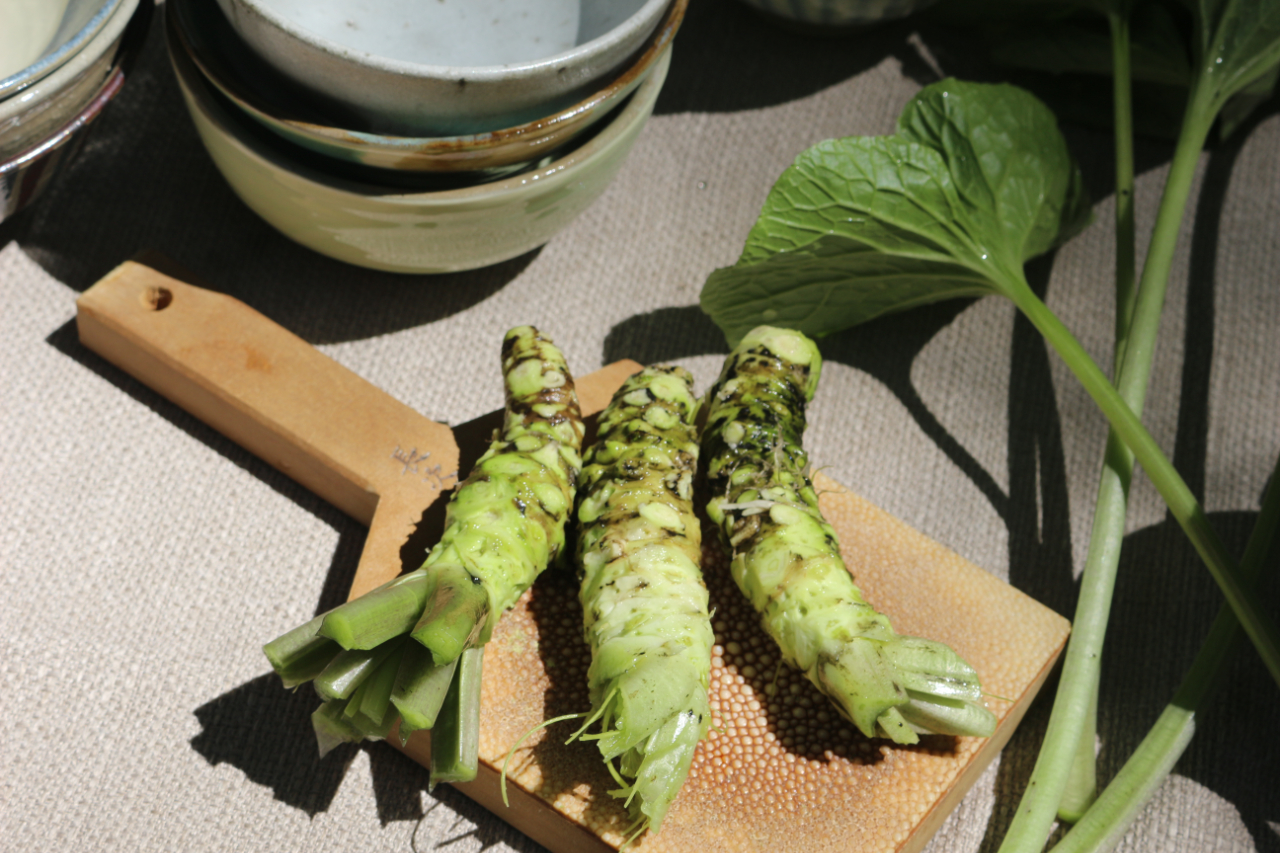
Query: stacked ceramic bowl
<point>419,136</point>
<point>61,63</point>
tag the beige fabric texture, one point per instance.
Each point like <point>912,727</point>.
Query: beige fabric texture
<point>145,558</point>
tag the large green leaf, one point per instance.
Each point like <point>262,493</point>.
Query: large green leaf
<point>976,181</point>
<point>828,285</point>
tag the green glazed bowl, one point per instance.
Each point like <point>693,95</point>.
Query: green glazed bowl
<point>380,227</point>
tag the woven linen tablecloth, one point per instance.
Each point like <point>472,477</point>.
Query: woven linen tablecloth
<point>145,558</point>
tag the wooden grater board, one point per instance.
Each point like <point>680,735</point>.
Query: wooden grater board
<point>780,771</point>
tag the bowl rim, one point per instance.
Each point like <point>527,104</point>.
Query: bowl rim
<point>49,62</point>
<point>61,78</point>
<point>638,63</point>
<point>558,171</point>
<point>101,97</point>
<point>443,148</point>
<point>24,175</point>
<point>649,10</point>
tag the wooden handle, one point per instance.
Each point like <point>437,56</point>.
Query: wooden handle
<point>274,394</point>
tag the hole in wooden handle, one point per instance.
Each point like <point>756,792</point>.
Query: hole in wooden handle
<point>157,298</point>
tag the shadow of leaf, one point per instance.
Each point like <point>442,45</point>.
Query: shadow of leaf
<point>1142,668</point>
<point>1161,581</point>
<point>1038,511</point>
<point>885,349</point>
<point>730,57</point>
<point>664,335</point>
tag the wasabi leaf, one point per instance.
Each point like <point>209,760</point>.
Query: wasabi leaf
<point>976,181</point>
<point>1238,42</point>
<point>1242,104</point>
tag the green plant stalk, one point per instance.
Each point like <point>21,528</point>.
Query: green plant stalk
<point>375,704</point>
<point>1082,777</point>
<point>1106,822</point>
<point>300,655</point>
<point>331,728</point>
<point>1122,97</point>
<point>1181,502</point>
<point>1081,665</point>
<point>455,738</point>
<point>1031,824</point>
<point>1064,780</point>
<point>1097,582</point>
<point>1049,789</point>
<point>454,613</point>
<point>354,700</point>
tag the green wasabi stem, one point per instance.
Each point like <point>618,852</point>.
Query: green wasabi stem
<point>505,523</point>
<point>353,701</point>
<point>511,510</point>
<point>456,610</point>
<point>1235,44</point>
<point>1103,826</point>
<point>786,560</point>
<point>373,729</point>
<point>455,739</point>
<point>1261,629</point>
<point>350,668</point>
<point>643,600</point>
<point>332,729</point>
<point>388,611</point>
<point>376,715</point>
<point>1122,111</point>
<point>419,689</point>
<point>301,654</point>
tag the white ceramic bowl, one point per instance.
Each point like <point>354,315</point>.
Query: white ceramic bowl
<point>415,232</point>
<point>37,111</point>
<point>25,175</point>
<point>38,36</point>
<point>262,94</point>
<point>467,67</point>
